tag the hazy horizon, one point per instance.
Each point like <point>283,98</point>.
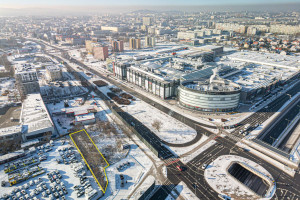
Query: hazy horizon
<point>24,3</point>
<point>96,9</point>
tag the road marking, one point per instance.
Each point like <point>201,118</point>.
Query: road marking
<point>174,161</point>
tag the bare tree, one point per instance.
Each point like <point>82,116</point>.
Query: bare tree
<point>157,125</point>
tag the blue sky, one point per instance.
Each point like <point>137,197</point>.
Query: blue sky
<point>140,2</point>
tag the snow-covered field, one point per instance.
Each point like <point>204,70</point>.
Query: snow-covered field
<point>133,174</point>
<point>217,176</point>
<point>172,130</point>
<point>184,192</point>
<point>6,84</point>
<point>182,150</point>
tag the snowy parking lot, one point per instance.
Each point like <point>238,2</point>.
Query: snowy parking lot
<point>50,165</point>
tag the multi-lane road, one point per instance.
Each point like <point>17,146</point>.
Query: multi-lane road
<point>287,187</point>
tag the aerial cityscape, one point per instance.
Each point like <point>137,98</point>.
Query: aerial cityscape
<point>160,100</point>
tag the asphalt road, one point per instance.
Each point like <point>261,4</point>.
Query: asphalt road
<point>275,132</point>
<point>287,187</point>
<point>265,113</point>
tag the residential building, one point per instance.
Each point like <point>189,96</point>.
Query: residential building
<point>134,43</point>
<point>100,52</point>
<point>117,45</point>
<point>147,21</point>
<point>53,73</point>
<point>26,79</point>
<point>149,41</point>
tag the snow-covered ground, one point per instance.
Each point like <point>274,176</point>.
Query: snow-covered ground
<point>184,192</point>
<point>6,84</point>
<point>172,130</point>
<point>182,150</point>
<point>217,176</point>
<point>139,165</point>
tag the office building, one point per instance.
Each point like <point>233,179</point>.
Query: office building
<point>89,46</point>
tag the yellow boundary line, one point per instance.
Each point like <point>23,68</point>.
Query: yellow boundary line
<point>103,190</point>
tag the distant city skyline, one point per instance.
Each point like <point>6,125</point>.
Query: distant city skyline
<point>17,3</point>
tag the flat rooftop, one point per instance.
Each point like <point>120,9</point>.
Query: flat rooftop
<point>34,113</point>
<point>53,68</point>
<point>24,68</point>
<point>10,130</point>
<point>272,59</point>
<point>10,116</point>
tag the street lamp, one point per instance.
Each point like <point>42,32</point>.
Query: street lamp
<point>273,139</point>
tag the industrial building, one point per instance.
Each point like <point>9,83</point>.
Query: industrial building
<point>35,119</point>
<point>212,95</point>
<point>10,136</point>
<point>53,73</point>
<point>26,79</point>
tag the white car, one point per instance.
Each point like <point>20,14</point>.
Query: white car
<point>204,166</point>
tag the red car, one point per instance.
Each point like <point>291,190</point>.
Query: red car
<point>180,168</point>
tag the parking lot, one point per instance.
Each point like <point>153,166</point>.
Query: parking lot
<point>50,172</point>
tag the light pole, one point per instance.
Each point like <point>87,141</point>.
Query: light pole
<point>273,139</point>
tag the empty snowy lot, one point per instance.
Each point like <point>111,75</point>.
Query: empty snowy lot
<point>172,130</point>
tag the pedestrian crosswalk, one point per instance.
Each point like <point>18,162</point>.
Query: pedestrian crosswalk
<point>169,185</point>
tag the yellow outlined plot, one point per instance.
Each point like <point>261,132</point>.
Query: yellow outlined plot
<point>83,130</point>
